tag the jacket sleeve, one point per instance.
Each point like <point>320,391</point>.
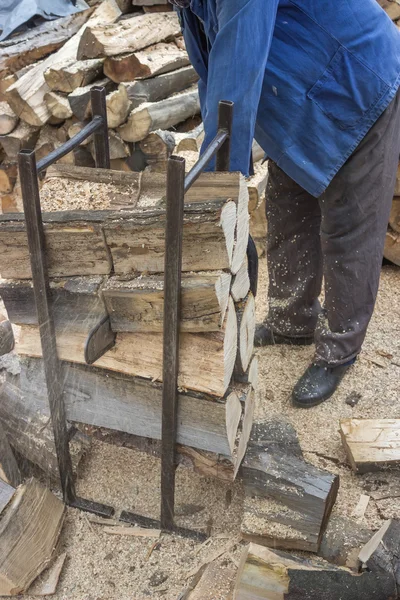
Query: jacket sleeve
<point>236,67</point>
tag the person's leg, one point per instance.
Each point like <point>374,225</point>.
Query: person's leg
<point>294,258</point>
<point>355,212</point>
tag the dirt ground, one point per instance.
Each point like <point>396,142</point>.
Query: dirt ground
<point>101,566</point>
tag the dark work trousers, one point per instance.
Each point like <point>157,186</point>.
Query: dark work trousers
<point>338,237</point>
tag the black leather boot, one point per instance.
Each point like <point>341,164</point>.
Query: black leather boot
<point>318,384</point>
<point>264,336</point>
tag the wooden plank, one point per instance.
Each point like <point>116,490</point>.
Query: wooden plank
<point>28,535</point>
<point>9,471</point>
<point>128,35</point>
<point>264,574</point>
<point>6,493</point>
<point>371,444</point>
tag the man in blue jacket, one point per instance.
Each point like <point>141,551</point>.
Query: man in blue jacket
<point>315,82</point>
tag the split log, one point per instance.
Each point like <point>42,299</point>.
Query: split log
<point>118,106</point>
<point>26,95</point>
<point>9,471</point>
<point>127,36</point>
<point>58,105</point>
<point>257,185</point>
<point>394,219</point>
<point>70,74</point>
<point>6,337</point>
<point>6,493</point>
<point>136,305</point>
<point>288,501</point>
<point>76,127</point>
<point>118,148</point>
<point>8,119</point>
<point>28,430</point>
<point>206,365</point>
<point>34,44</point>
<point>48,142</point>
<point>23,137</point>
<point>160,87</point>
<point>259,227</point>
<point>342,542</point>
<point>79,99</point>
<point>160,115</point>
<point>257,152</point>
<point>157,147</point>
<point>158,8</point>
<point>8,176</point>
<point>371,444</point>
<point>29,532</point>
<point>381,554</point>
<point>190,141</point>
<point>76,301</point>
<point>103,398</point>
<point>241,283</point>
<point>246,316</point>
<point>392,246</point>
<point>265,574</point>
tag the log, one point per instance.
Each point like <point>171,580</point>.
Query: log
<point>342,542</point>
<point>371,444</point>
<point>8,118</point>
<point>136,305</point>
<point>190,141</point>
<point>157,147</point>
<point>34,44</point>
<point>246,316</point>
<point>118,106</point>
<point>103,398</point>
<point>264,574</point>
<point>23,137</point>
<point>58,105</point>
<point>26,95</point>
<point>29,532</point>
<point>288,501</point>
<point>160,87</point>
<point>75,127</point>
<point>79,99</point>
<point>9,471</point>
<point>381,553</point>
<point>8,176</point>
<point>160,115</point>
<point>70,74</point>
<point>394,219</point>
<point>241,283</point>
<point>392,247</point>
<point>207,359</point>
<point>149,62</point>
<point>257,185</point>
<point>118,148</point>
<point>6,493</point>
<point>127,36</point>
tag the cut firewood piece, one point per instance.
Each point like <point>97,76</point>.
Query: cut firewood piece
<point>8,118</point>
<point>82,157</point>
<point>118,148</point>
<point>29,532</point>
<point>160,115</point>
<point>248,400</point>
<point>242,229</point>
<point>246,315</point>
<point>257,185</point>
<point>392,246</point>
<point>9,471</point>
<point>264,574</point>
<point>79,99</point>
<point>207,359</point>
<point>257,152</point>
<point>129,35</point>
<point>160,87</point>
<point>149,62</point>
<point>371,444</point>
<point>259,227</point>
<point>288,501</point>
<point>137,305</point>
<point>58,105</point>
<point>381,553</point>
<point>34,44</point>
<point>118,106</point>
<point>26,95</point>
<point>157,147</point>
<point>77,302</point>
<point>6,337</point>
<point>47,142</point>
<point>342,542</point>
<point>8,176</point>
<point>6,493</point>
<point>76,127</point>
<point>103,398</point>
<point>68,75</point>
<point>190,141</point>
<point>394,219</point>
<point>241,283</point>
<point>23,137</point>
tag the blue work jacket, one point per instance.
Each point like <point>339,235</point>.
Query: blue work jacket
<point>308,77</point>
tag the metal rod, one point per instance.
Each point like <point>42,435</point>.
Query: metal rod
<point>94,125</point>
<point>36,243</point>
<point>101,144</point>
<point>172,302</point>
<point>205,158</point>
<point>225,119</point>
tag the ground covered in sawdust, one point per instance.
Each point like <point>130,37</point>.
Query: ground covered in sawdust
<point>101,566</point>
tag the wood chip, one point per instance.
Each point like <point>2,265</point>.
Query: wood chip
<point>361,507</point>
<point>48,586</point>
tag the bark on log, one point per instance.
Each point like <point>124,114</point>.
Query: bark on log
<point>149,62</point>
<point>160,115</point>
<point>137,305</point>
<point>9,471</point>
<point>342,542</point>
<point>157,147</point>
<point>70,74</point>
<point>79,99</point>
<point>6,494</point>
<point>190,141</point>
<point>264,574</point>
<point>392,247</point>
<point>6,337</point>
<point>118,148</point>
<point>160,87</point>
<point>381,553</point>
<point>26,95</point>
<point>8,118</point>
<point>207,359</point>
<point>23,137</point>
<point>371,444</point>
<point>394,219</point>
<point>58,105</point>
<point>127,36</point>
